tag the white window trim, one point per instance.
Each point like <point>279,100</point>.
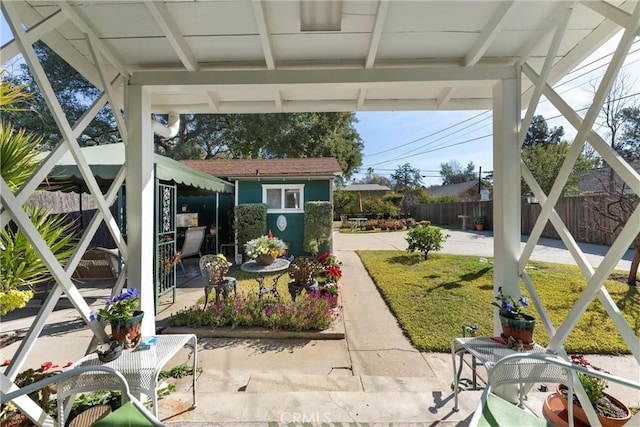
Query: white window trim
<point>299,187</point>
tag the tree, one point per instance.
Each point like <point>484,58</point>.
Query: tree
<point>539,133</point>
<point>205,136</point>
<point>405,177</point>
<point>613,213</point>
<point>374,178</point>
<point>629,146</point>
<point>453,173</point>
<point>295,135</point>
<point>74,93</point>
<point>425,239</point>
<point>619,117</point>
<point>544,162</point>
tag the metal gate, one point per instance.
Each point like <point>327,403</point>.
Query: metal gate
<point>165,259</point>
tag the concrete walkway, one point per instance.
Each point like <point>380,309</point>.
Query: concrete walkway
<point>372,376</point>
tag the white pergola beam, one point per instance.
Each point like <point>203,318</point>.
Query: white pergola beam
<point>546,69</point>
<point>59,44</point>
<point>349,77</point>
<point>263,31</point>
<point>376,33</point>
<point>97,59</point>
<point>82,26</point>
<point>609,11</point>
<point>506,207</point>
<point>489,33</point>
<point>212,101</point>
<point>585,128</point>
<point>445,96</point>
<point>169,28</point>
<point>34,33</point>
<point>362,96</point>
<point>241,107</point>
<point>539,37</point>
<point>629,175</point>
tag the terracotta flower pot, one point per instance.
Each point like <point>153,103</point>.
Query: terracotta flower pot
<point>520,329</point>
<point>579,414</point>
<point>127,331</point>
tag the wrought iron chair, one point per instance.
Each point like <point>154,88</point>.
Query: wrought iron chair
<point>302,275</point>
<point>214,268</point>
<point>193,238</point>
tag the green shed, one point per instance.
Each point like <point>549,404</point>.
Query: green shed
<point>284,185</point>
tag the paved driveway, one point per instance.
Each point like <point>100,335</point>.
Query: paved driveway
<point>475,243</point>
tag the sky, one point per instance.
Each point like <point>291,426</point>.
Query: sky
<point>426,139</point>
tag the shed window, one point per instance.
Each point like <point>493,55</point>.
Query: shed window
<point>283,198</point>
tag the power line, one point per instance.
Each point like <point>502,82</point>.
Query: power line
<point>427,136</point>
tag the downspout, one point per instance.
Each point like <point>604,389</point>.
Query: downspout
<point>167,131</point>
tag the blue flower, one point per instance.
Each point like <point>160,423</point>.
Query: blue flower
<point>92,316</point>
<point>524,301</point>
<point>506,305</point>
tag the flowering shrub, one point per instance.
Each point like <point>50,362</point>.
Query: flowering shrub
<point>265,245</point>
<point>509,307</point>
<point>30,376</point>
<point>119,307</point>
<point>331,270</point>
<point>309,312</point>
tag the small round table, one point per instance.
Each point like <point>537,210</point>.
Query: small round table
<point>278,265</point>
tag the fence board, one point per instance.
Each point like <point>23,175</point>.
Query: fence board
<point>577,213</point>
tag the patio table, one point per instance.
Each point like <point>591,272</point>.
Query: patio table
<point>279,265</point>
<point>141,365</point>
<point>485,351</point>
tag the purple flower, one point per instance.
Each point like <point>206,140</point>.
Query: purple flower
<point>506,305</point>
<point>524,301</point>
<point>92,316</point>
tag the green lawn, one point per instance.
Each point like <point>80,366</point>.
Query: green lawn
<point>433,299</point>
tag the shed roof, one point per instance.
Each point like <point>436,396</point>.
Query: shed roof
<point>325,167</point>
<point>366,187</point>
<point>598,180</point>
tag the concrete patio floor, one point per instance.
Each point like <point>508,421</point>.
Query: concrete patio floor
<point>373,376</point>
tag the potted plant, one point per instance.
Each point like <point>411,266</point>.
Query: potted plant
<point>122,313</point>
<point>610,411</point>
<point>265,249</point>
<point>478,221</point>
<point>514,322</point>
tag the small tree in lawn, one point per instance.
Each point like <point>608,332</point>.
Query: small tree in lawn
<point>425,239</point>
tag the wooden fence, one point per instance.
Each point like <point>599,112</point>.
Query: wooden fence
<point>577,213</point>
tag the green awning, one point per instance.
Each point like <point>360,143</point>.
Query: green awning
<point>105,162</point>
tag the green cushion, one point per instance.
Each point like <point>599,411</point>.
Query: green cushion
<point>498,412</point>
<point>126,415</point>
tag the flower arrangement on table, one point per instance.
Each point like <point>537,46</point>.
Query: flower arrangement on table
<point>119,307</point>
<point>517,326</point>
<point>509,307</point>
<point>125,318</point>
<point>265,246</point>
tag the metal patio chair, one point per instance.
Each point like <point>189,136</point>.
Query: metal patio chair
<point>214,268</point>
<point>302,276</point>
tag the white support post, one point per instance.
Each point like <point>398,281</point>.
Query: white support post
<point>506,190</point>
<point>140,201</point>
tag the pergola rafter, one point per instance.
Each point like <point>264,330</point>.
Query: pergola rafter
<point>389,59</point>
